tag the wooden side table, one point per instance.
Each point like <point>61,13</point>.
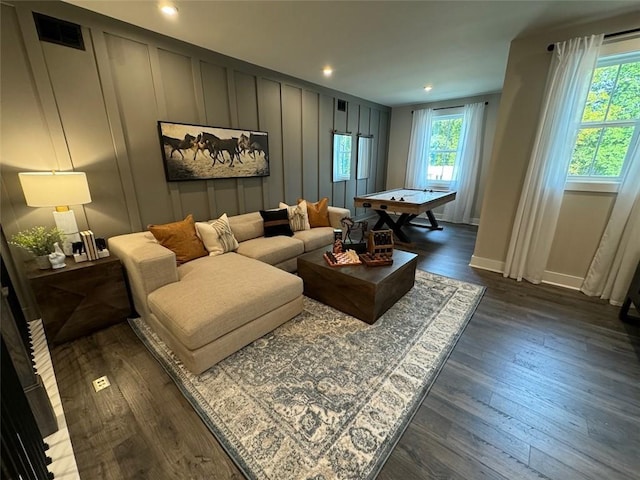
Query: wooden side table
<point>80,298</point>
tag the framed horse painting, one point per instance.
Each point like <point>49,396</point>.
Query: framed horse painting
<point>199,152</point>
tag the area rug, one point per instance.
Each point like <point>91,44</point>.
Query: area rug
<point>326,396</point>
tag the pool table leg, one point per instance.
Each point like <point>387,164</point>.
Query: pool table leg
<point>395,226</point>
<point>433,221</point>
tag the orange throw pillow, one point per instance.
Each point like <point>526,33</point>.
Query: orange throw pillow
<point>181,238</point>
<point>318,212</point>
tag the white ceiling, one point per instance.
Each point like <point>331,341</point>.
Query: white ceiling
<point>384,51</point>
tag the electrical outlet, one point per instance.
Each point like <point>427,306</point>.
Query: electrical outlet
<point>100,383</point>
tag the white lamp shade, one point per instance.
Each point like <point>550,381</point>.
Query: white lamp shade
<point>55,189</point>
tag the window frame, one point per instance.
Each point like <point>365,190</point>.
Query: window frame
<point>457,112</point>
<point>363,162</point>
<point>339,174</point>
<point>611,54</point>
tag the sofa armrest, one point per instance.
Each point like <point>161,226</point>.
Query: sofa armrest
<point>148,264</point>
<point>336,214</point>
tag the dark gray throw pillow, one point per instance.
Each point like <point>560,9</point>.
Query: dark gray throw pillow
<point>276,222</point>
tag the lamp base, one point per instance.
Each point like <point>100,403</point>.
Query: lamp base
<point>66,221</point>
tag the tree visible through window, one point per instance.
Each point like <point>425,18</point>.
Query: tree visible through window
<point>610,120</point>
<point>444,147</point>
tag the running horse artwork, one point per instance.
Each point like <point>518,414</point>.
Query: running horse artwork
<point>199,152</point>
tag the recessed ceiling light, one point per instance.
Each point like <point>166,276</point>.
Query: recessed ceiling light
<point>327,71</point>
<point>428,88</point>
<point>169,10</point>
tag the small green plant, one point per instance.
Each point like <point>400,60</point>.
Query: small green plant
<point>38,240</point>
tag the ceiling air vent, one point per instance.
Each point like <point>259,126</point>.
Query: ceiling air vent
<point>58,31</point>
<point>342,105</point>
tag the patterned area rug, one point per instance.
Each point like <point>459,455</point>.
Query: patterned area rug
<point>326,396</point>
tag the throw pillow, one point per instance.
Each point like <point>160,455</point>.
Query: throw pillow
<point>276,222</point>
<point>298,218</point>
<point>318,212</point>
<point>217,236</point>
<point>181,238</point>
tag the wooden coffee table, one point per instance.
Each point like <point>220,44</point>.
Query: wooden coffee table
<point>361,291</point>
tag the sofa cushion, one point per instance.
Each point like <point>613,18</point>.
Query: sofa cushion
<point>318,212</point>
<point>276,222</point>
<point>246,226</point>
<point>336,214</point>
<point>298,217</point>
<point>271,250</point>
<point>206,303</point>
<point>217,235</point>
<point>181,238</point>
<point>315,238</point>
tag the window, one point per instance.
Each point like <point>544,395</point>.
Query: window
<point>609,124</point>
<point>341,157</point>
<point>364,156</point>
<point>444,146</point>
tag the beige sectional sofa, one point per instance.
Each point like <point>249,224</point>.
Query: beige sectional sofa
<point>210,307</point>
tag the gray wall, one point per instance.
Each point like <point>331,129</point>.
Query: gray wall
<point>96,111</point>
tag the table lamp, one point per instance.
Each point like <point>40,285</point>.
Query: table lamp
<point>59,190</point>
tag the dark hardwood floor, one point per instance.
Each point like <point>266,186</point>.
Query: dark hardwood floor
<point>543,383</point>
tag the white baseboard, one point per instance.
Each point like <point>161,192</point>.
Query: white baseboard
<point>551,278</point>
<point>562,280</point>
<point>487,264</point>
<point>474,221</point>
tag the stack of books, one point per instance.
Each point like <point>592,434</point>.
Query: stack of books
<point>90,251</point>
<point>89,244</point>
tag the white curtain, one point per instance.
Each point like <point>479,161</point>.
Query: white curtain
<point>537,214</point>
<point>465,170</point>
<point>418,160</point>
<point>617,256</point>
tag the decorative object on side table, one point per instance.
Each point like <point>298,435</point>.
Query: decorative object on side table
<point>40,242</point>
<point>59,190</point>
<point>56,258</point>
<point>89,248</point>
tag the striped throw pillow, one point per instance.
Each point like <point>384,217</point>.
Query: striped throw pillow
<point>217,235</point>
<point>298,218</point>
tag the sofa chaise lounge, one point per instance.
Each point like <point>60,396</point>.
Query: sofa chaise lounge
<point>210,307</point>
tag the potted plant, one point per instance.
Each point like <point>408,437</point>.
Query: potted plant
<point>40,242</point>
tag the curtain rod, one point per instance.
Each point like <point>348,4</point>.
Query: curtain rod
<point>455,106</point>
<point>552,46</point>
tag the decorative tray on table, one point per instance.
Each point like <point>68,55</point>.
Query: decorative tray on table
<point>376,260</point>
<point>343,259</point>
